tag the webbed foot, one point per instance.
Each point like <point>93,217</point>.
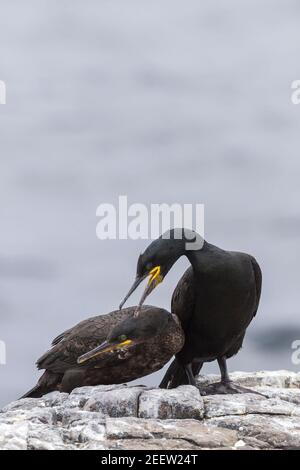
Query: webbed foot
<point>226,388</point>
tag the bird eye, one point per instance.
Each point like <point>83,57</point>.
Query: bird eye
<point>148,266</point>
<point>123,338</point>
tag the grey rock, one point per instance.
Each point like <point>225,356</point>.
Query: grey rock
<point>190,430</point>
<point>45,438</point>
<point>92,445</point>
<point>85,432</point>
<point>280,432</point>
<point>182,402</point>
<point>79,396</point>
<point>222,405</point>
<point>154,444</point>
<point>278,379</point>
<point>36,415</point>
<point>83,427</point>
<point>119,402</point>
<point>254,443</point>
<point>55,399</point>
<point>134,417</point>
<point>292,395</point>
<point>24,404</point>
<point>14,436</point>
<point>72,417</point>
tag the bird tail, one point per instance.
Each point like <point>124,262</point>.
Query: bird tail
<point>174,376</point>
<point>35,392</point>
<point>49,382</point>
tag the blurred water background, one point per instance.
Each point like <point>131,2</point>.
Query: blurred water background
<point>164,101</point>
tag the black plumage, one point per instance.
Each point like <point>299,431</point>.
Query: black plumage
<point>216,299</point>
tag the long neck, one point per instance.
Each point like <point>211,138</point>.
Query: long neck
<point>186,242</point>
<point>195,256</point>
<point>194,247</point>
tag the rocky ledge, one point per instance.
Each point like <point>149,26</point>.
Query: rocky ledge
<point>136,417</point>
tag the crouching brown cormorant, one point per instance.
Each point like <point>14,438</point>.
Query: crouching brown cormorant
<point>215,300</point>
<point>110,349</point>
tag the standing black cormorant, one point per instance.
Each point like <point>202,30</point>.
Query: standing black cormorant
<point>110,349</point>
<point>216,299</point>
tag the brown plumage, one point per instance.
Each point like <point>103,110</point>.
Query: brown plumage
<point>159,334</point>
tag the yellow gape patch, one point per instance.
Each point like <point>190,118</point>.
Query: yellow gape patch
<point>155,275</point>
<point>125,343</point>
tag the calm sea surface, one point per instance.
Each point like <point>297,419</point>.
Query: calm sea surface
<point>162,102</point>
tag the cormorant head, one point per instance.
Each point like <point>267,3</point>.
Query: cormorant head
<point>157,260</point>
<point>132,331</point>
